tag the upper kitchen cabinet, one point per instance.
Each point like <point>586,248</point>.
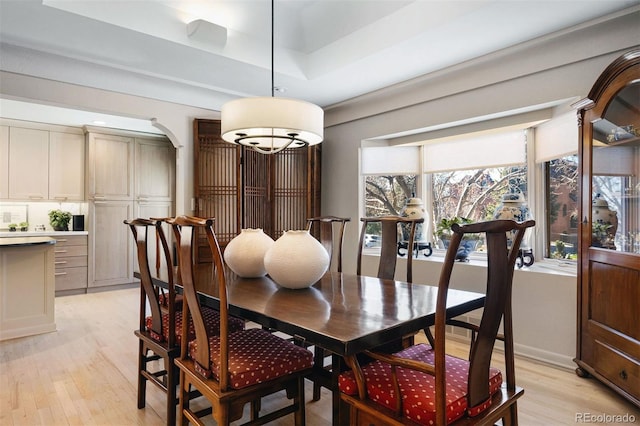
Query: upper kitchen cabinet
<point>66,166</point>
<point>110,167</point>
<point>156,157</point>
<point>41,162</point>
<point>28,164</point>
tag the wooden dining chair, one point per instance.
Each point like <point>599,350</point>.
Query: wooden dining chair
<point>157,339</point>
<point>229,368</point>
<point>391,233</point>
<point>410,385</point>
<point>329,230</point>
<point>159,332</point>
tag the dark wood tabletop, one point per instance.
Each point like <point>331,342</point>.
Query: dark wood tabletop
<point>344,313</point>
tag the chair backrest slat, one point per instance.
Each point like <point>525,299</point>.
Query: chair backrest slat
<point>186,231</point>
<point>390,232</point>
<point>329,230</point>
<point>140,230</point>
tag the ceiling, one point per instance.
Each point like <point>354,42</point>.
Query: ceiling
<point>326,51</point>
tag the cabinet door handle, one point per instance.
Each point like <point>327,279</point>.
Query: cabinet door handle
<point>62,240</point>
<point>60,251</point>
<point>60,273</point>
<point>35,197</point>
<point>623,375</point>
<point>60,198</point>
<point>99,197</point>
<point>61,262</point>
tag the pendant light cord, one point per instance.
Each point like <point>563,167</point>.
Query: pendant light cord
<point>273,84</point>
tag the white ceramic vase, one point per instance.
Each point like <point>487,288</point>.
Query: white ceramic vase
<point>296,260</point>
<point>514,207</point>
<point>245,253</point>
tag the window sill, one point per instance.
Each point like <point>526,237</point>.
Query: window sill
<point>543,266</point>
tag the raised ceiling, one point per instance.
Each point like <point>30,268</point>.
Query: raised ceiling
<point>327,51</point>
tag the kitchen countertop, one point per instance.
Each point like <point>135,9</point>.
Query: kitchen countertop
<point>25,241</point>
<point>21,234</point>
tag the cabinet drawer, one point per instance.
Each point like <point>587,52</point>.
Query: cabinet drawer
<point>71,278</point>
<point>71,240</point>
<point>619,368</point>
<point>70,262</point>
<point>67,251</point>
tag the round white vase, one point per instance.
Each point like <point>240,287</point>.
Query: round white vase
<point>514,207</point>
<point>245,253</point>
<point>296,260</point>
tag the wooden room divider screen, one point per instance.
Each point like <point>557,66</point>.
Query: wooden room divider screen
<point>241,188</point>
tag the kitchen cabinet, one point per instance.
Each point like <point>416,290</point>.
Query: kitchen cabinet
<point>608,340</point>
<point>28,164</point>
<point>129,175</point>
<point>66,166</point>
<point>40,164</point>
<point>157,159</point>
<point>71,264</point>
<point>110,167</point>
<point>110,245</point>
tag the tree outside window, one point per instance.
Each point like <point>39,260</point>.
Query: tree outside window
<point>387,196</point>
<point>474,194</point>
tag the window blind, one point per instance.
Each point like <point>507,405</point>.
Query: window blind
<point>556,138</point>
<point>494,150</point>
<point>388,160</point>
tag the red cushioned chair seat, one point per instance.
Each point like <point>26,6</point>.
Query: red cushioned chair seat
<point>256,356</point>
<point>417,389</point>
<point>211,319</point>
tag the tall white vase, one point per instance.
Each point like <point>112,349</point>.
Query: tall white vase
<point>296,260</point>
<point>245,253</point>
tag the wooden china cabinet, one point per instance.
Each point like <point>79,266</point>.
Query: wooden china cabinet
<point>608,341</point>
<point>242,188</point>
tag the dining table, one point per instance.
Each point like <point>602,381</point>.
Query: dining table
<point>342,313</point>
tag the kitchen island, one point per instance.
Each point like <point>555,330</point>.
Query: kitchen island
<point>27,286</point>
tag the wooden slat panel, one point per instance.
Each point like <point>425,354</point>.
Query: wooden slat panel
<point>217,188</point>
<point>256,191</point>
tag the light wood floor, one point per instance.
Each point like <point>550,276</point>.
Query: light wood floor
<point>85,374</point>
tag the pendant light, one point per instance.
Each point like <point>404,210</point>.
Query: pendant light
<point>269,124</point>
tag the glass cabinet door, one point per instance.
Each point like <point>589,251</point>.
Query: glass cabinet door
<point>615,197</point>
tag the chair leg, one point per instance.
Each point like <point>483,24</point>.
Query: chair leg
<point>172,375</point>
<point>142,381</point>
<point>183,398</point>
<point>511,416</point>
<point>300,419</point>
<point>318,359</point>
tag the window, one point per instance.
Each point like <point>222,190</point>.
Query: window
<point>562,207</point>
<point>390,178</point>
<point>468,176</point>
<point>474,194</point>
